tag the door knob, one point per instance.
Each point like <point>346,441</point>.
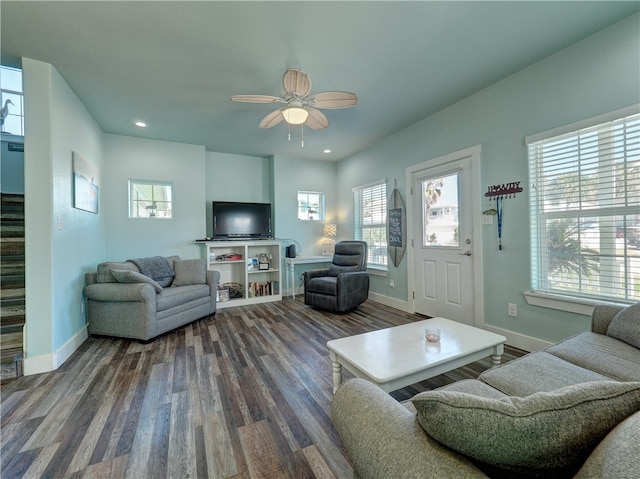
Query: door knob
<point>466,253</point>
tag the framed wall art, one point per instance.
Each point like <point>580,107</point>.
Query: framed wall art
<point>85,187</point>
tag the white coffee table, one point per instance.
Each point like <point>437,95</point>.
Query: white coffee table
<point>399,356</point>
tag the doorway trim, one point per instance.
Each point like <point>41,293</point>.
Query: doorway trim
<point>474,154</point>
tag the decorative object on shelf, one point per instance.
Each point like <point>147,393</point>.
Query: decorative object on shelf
<point>252,264</point>
<point>330,231</point>
<point>264,262</point>
<point>223,294</point>
<point>396,226</point>
<point>229,257</point>
<point>235,289</point>
<point>500,192</point>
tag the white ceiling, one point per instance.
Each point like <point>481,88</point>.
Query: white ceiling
<point>175,64</point>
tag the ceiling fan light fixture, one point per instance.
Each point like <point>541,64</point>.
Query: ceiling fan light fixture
<point>295,115</point>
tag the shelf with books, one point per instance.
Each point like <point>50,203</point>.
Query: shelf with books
<point>250,271</point>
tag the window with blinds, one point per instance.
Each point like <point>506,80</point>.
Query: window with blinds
<point>585,209</point>
<point>370,218</point>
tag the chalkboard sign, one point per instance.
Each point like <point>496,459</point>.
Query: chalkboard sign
<point>395,227</point>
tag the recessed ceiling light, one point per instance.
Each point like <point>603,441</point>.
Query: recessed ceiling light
<point>141,124</point>
<point>327,151</point>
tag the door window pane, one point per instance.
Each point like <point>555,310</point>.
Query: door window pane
<point>440,211</point>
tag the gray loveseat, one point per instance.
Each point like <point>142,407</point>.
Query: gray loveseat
<point>124,302</point>
<point>572,410</point>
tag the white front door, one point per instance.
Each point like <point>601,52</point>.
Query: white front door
<point>442,220</point>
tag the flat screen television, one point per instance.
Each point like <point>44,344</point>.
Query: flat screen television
<point>237,220</point>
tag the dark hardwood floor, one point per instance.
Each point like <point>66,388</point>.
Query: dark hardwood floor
<point>243,394</point>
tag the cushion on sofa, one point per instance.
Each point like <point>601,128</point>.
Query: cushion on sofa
<point>104,270</point>
<point>537,372</point>
<point>189,271</point>
<point>546,434</point>
<point>600,353</point>
<point>182,296</point>
<point>126,276</point>
<point>625,325</point>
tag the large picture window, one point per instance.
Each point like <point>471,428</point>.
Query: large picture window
<point>585,209</point>
<point>370,218</point>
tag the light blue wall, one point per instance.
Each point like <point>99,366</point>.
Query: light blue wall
<point>290,176</point>
<point>597,75</point>
<point>56,124</point>
<point>181,164</point>
<point>236,178</point>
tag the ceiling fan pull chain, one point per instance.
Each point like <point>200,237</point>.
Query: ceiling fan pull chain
<point>289,131</point>
<point>301,136</point>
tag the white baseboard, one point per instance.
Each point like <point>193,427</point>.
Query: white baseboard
<point>516,340</point>
<point>45,363</point>
<point>520,341</point>
<point>388,301</point>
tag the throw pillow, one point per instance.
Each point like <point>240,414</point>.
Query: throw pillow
<point>125,276</point>
<point>548,433</point>
<point>189,271</point>
<point>625,325</point>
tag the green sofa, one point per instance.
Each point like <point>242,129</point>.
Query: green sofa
<point>571,410</point>
<point>125,301</point>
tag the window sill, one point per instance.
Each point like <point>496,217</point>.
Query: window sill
<point>564,303</point>
<point>377,271</point>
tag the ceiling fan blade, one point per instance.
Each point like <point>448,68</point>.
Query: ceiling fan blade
<point>332,99</point>
<point>316,119</point>
<point>257,99</point>
<point>296,83</point>
<point>272,119</point>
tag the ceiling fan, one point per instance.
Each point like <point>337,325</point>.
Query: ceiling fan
<point>298,107</point>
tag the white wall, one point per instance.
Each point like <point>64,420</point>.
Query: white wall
<point>181,164</point>
<point>56,124</point>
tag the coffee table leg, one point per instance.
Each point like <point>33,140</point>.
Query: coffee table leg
<point>337,371</point>
<point>497,354</point>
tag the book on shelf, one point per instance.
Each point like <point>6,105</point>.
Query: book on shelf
<point>264,288</point>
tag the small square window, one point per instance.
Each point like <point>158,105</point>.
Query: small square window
<point>310,206</point>
<point>149,199</point>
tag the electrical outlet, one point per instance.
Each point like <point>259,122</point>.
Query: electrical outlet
<point>512,310</point>
<point>82,307</point>
<point>392,283</point>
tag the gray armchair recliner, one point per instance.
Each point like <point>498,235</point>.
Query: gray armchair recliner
<point>345,284</point>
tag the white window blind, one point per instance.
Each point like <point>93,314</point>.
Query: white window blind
<point>585,211</point>
<point>370,218</point>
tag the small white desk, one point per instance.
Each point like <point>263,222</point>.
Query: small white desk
<point>291,268</point>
